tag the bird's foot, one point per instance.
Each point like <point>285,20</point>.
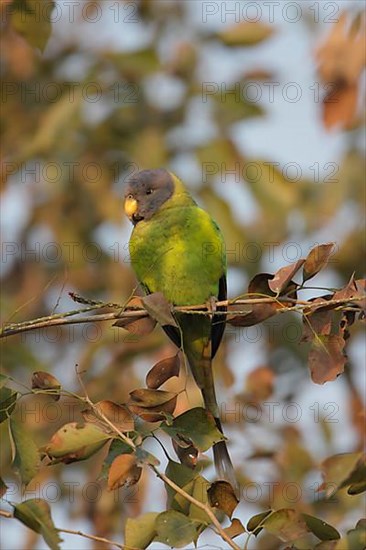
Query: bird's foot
<point>211,304</point>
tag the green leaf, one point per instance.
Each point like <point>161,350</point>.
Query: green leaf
<point>144,457</point>
<point>8,400</point>
<point>255,521</point>
<point>196,425</point>
<point>246,33</point>
<point>320,528</point>
<point>36,514</point>
<point>233,107</point>
<point>356,538</point>
<point>183,477</point>
<point>140,532</point>
<point>200,493</point>
<point>273,191</point>
<point>286,524</point>
<point>136,64</point>
<point>31,19</point>
<point>330,545</point>
<point>74,442</point>
<point>341,470</point>
<point>357,488</point>
<point>25,453</point>
<point>175,529</point>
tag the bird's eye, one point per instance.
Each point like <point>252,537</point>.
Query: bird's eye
<point>149,191</point>
<point>130,196</point>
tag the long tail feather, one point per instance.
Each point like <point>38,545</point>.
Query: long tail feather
<point>201,367</point>
<point>223,465</point>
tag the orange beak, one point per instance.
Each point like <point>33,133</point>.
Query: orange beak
<point>130,207</point>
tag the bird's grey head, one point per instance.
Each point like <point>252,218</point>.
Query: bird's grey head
<point>145,193</point>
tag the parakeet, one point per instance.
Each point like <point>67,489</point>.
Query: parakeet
<point>176,248</point>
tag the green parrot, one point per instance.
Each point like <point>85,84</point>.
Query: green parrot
<point>176,248</point>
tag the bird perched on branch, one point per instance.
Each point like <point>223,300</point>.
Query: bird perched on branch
<point>176,248</point>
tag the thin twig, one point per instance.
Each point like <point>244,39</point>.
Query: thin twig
<point>72,532</point>
<point>201,505</point>
<point>92,537</point>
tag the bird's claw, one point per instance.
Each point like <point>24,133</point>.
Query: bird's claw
<point>211,304</point>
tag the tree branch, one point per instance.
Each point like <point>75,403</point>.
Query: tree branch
<point>136,313</point>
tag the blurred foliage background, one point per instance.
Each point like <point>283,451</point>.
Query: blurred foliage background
<point>109,88</point>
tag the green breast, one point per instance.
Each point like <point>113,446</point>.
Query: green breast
<point>180,252</point>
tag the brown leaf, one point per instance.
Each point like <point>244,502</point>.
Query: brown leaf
<point>342,53</point>
<point>235,529</point>
<point>118,415</point>
<point>221,495</point>
<point>258,314</point>
<point>123,472</point>
<point>361,288</point>
<point>341,470</point>
<point>140,326</point>
<point>154,414</point>
<point>326,358</point>
<point>353,289</point>
<point>162,371</point>
<point>261,75</point>
<point>358,415</point>
<point>347,319</point>
<point>257,288</point>
<point>318,321</point>
<point>152,405</point>
<point>46,381</point>
<point>341,60</point>
<point>317,258</point>
<point>340,106</point>
<point>151,398</point>
<point>186,452</point>
<point>283,276</point>
<point>259,383</point>
<point>159,309</point>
